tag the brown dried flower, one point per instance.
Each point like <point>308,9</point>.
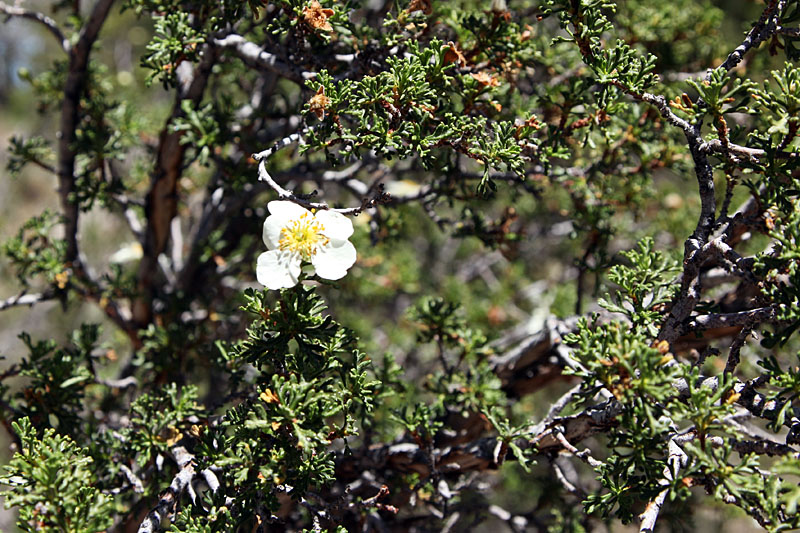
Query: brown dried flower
<point>317,17</point>
<point>454,55</point>
<point>486,79</point>
<point>318,103</point>
<point>426,6</point>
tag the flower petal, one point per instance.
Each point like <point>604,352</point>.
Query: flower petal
<point>272,230</point>
<point>332,262</point>
<point>337,226</point>
<point>286,210</point>
<point>278,270</point>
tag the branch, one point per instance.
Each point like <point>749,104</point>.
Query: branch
<point>482,454</point>
<point>182,480</point>
<point>254,55</point>
<point>161,205</point>
<point>283,194</point>
<point>791,32</point>
<point>70,113</point>
<point>690,288</point>
<point>70,116</point>
<point>676,459</point>
<point>753,154</point>
<point>660,103</point>
<point>766,26</point>
<point>41,18</point>
<point>724,320</point>
<point>756,403</point>
<point>26,299</point>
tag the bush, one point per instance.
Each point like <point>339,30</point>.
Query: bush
<point>408,266</point>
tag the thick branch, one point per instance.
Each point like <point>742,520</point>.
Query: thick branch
<point>162,200</point>
<point>482,454</point>
<point>74,86</point>
<point>70,113</point>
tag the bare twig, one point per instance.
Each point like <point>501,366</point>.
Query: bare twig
<point>134,224</point>
<point>296,137</point>
<point>253,54</point>
<point>283,194</point>
<point>676,459</point>
<point>566,483</point>
<point>584,455</point>
<point>791,32</point>
<point>26,299</point>
<point>736,347</point>
<point>41,18</point>
<point>556,408</point>
<point>166,503</point>
<point>767,25</point>
<point>720,320</point>
<point>135,482</point>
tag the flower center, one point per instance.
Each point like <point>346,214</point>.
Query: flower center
<point>303,236</point>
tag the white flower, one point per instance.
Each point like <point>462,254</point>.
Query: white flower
<point>294,234</point>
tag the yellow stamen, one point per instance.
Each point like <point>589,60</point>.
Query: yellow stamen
<point>303,236</point>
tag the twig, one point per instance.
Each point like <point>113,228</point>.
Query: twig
<point>556,408</point>
<point>26,299</point>
<point>296,137</point>
<point>41,18</point>
<point>182,480</point>
<point>283,194</point>
<point>650,515</point>
<point>660,103</point>
<point>719,320</point>
<point>767,25</point>
<point>135,482</point>
<point>255,55</point>
<point>566,483</point>
<point>584,455</point>
<point>736,347</point>
<point>123,383</point>
<point>741,266</point>
<point>791,32</point>
<point>676,459</point>
<point>763,447</point>
<point>134,224</point>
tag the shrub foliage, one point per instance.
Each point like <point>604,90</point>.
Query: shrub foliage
<point>577,293</point>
